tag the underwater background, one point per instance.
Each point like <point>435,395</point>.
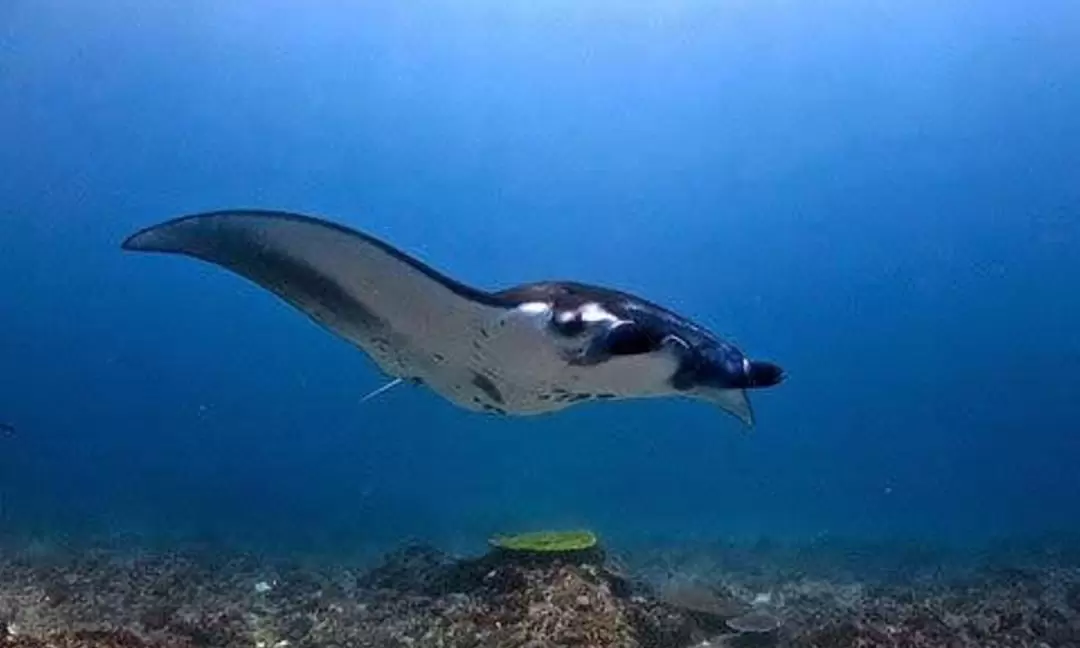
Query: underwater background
<point>881,197</point>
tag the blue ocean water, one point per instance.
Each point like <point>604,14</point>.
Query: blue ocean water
<point>882,197</point>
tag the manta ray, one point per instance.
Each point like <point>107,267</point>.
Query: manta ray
<point>528,349</point>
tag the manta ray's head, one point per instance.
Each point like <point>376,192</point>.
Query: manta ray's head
<point>720,365</point>
<point>697,363</point>
<point>718,372</point>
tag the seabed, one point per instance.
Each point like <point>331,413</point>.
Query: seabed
<point>570,594</point>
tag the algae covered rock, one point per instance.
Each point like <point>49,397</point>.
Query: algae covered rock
<point>546,548</point>
<point>547,542</point>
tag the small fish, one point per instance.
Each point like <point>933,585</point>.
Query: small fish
<point>6,429</point>
<point>529,349</point>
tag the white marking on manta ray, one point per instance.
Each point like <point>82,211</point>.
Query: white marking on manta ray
<point>534,308</point>
<point>593,313</point>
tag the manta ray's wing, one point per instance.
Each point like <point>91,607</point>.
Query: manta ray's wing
<point>414,322</point>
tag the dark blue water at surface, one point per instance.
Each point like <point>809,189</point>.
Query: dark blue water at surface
<point>882,197</point>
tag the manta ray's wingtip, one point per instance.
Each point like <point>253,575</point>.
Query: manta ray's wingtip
<point>163,236</point>
<point>160,237</point>
<point>174,234</point>
<point>137,242</point>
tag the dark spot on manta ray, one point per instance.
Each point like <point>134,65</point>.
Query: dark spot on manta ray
<point>484,384</point>
<point>493,409</point>
<point>605,396</point>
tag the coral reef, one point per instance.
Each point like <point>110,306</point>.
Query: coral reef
<point>419,597</point>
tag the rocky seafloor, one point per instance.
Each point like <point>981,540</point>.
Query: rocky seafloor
<point>418,597</point>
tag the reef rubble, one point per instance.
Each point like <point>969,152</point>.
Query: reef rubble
<point>420,597</point>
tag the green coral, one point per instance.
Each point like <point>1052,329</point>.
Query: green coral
<point>547,541</point>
